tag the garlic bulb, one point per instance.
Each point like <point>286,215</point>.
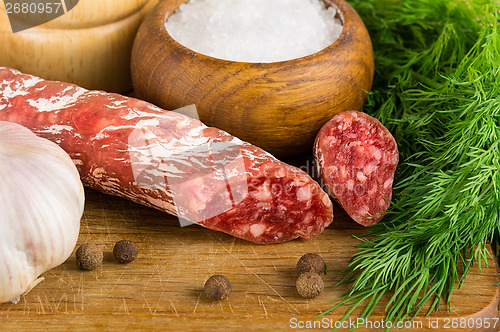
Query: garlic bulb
<point>41,204</point>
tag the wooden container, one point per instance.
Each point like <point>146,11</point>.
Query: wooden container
<point>91,13</point>
<point>278,106</point>
<point>88,46</point>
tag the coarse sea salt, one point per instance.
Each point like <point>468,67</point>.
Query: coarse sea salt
<point>255,30</point>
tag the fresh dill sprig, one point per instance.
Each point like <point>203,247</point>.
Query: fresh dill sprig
<point>437,89</point>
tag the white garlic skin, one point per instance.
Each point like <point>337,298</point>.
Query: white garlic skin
<point>41,205</point>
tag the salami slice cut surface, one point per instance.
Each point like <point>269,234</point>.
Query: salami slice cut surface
<point>356,157</point>
<point>129,148</point>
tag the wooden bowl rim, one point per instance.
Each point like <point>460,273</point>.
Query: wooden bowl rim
<point>97,29</point>
<point>78,13</point>
<point>345,12</point>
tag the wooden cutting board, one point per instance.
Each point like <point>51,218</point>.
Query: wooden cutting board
<point>162,289</point>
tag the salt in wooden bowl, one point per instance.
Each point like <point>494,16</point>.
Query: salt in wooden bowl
<point>278,106</point>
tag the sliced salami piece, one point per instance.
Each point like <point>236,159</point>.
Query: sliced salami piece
<point>168,161</point>
<point>356,157</point>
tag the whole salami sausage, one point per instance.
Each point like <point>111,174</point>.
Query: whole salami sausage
<point>356,157</point>
<point>169,161</point>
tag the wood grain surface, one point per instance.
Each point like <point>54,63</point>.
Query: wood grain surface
<point>277,106</point>
<point>162,289</point>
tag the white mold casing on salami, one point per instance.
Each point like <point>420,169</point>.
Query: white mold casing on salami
<point>356,157</point>
<point>129,148</point>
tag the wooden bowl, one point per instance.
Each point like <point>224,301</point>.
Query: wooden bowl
<point>95,57</point>
<point>91,13</point>
<point>279,106</point>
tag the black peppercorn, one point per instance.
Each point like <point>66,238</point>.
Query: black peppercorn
<point>311,263</point>
<point>217,287</point>
<point>125,251</point>
<point>88,256</point>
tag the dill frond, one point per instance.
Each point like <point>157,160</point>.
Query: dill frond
<point>437,89</point>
